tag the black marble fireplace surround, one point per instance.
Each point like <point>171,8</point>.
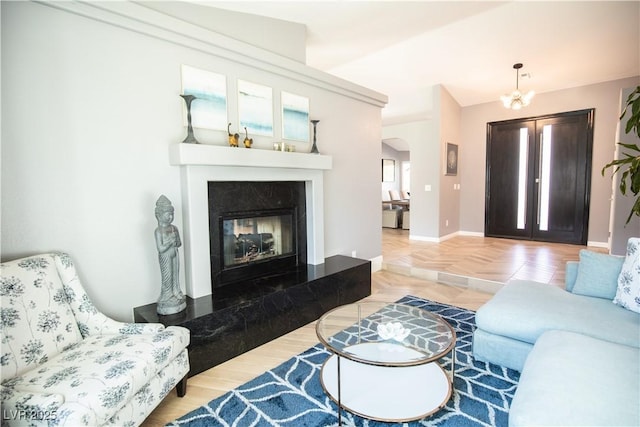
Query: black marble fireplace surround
<point>250,200</point>
<point>235,319</point>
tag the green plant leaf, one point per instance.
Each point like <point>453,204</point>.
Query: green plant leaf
<point>635,210</point>
<point>635,107</point>
<point>629,164</point>
<point>618,162</point>
<point>630,146</point>
<point>623,182</point>
<point>634,175</point>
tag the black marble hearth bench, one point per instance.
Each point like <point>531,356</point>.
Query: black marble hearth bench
<point>238,318</point>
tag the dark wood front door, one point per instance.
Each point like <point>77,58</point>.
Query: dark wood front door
<point>538,177</point>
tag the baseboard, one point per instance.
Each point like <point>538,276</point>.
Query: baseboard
<point>604,245</point>
<point>424,238</point>
<point>443,238</point>
<point>449,236</point>
<point>376,263</point>
<point>471,233</point>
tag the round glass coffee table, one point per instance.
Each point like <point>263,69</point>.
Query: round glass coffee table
<point>384,364</point>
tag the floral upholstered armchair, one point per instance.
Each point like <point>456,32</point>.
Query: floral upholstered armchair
<point>65,363</point>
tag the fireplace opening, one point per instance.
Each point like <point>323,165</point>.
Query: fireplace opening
<point>257,229</point>
<point>257,237</point>
<point>257,244</point>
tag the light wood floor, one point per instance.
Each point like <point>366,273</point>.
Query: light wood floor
<point>484,258</point>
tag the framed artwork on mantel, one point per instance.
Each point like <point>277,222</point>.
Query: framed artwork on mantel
<point>209,109</point>
<point>295,117</point>
<point>452,159</point>
<point>255,108</point>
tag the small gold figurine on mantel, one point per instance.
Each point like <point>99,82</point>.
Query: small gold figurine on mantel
<point>247,141</point>
<point>233,139</point>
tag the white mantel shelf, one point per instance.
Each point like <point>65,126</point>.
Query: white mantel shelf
<point>181,154</point>
<point>201,164</point>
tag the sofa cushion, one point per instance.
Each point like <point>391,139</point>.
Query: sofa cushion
<point>574,380</point>
<point>37,320</point>
<point>628,289</point>
<point>597,275</point>
<point>500,350</point>
<point>100,374</point>
<point>524,310</point>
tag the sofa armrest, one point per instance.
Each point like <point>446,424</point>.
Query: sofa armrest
<point>571,274</point>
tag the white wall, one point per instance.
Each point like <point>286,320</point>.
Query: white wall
<point>448,116</point>
<point>424,152</point>
<point>282,37</point>
<point>88,112</point>
<point>604,97</point>
<point>435,213</point>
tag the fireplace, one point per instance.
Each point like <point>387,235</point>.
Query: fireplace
<point>202,164</point>
<point>285,202</point>
<point>257,229</point>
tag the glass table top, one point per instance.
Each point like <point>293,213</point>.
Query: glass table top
<point>386,334</point>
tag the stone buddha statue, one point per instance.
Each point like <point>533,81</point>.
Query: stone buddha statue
<point>171,300</point>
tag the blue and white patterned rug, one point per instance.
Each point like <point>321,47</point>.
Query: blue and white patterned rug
<point>290,395</point>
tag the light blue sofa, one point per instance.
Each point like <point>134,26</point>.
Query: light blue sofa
<point>578,353</point>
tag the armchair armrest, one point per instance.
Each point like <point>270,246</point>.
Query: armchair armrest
<point>103,325</point>
<point>93,322</point>
<point>89,319</point>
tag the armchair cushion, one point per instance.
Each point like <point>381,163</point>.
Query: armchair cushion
<point>99,375</point>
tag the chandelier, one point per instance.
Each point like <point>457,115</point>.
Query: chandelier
<point>516,99</point>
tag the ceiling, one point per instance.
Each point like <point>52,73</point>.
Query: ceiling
<point>402,48</point>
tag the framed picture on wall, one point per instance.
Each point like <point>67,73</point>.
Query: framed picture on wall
<point>388,170</point>
<point>209,109</point>
<point>295,117</point>
<point>452,159</point>
<point>255,105</point>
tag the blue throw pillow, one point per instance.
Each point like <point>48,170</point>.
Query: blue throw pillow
<point>598,275</point>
